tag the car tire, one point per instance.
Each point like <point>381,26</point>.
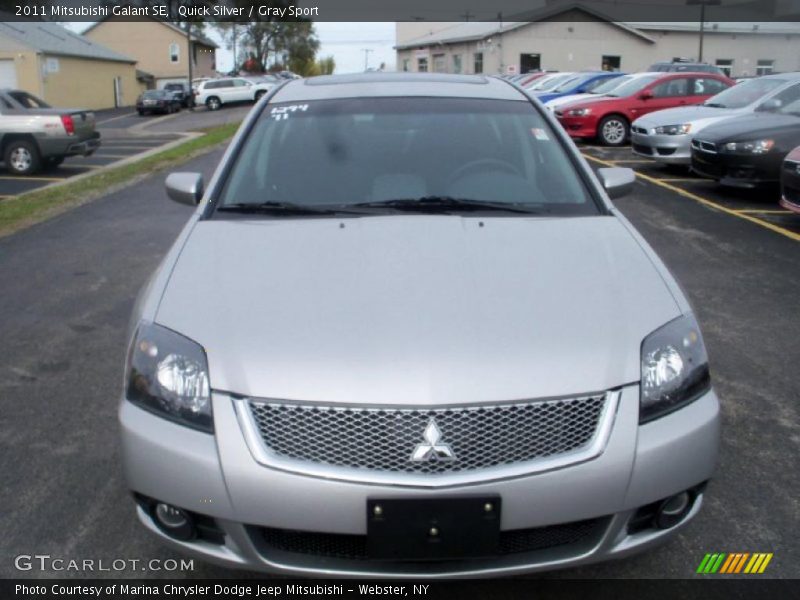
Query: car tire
<point>22,157</point>
<point>213,103</point>
<point>613,130</point>
<point>260,94</point>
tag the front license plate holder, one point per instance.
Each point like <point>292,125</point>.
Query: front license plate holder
<point>433,528</point>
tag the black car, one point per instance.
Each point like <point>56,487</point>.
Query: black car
<point>747,151</point>
<point>790,181</point>
<point>183,92</point>
<point>157,101</point>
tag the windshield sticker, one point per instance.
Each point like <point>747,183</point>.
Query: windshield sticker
<point>540,134</point>
<point>281,113</point>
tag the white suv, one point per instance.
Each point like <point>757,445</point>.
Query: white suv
<point>216,92</point>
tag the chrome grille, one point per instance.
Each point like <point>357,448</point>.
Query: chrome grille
<point>384,439</point>
<point>704,146</point>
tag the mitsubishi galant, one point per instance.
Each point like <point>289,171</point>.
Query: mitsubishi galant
<point>405,332</point>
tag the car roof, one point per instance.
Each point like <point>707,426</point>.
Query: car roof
<point>328,87</point>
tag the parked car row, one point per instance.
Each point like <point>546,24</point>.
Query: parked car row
<point>741,134</point>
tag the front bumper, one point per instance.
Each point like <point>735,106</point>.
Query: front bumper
<point>579,127</point>
<point>216,475</point>
<point>666,149</point>
<point>737,170</point>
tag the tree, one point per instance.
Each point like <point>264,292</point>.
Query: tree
<point>326,65</point>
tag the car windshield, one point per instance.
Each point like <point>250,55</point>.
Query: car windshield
<point>154,94</point>
<point>612,84</point>
<point>574,82</point>
<point>551,83</point>
<point>28,100</point>
<point>345,153</point>
<point>633,86</point>
<point>744,93</point>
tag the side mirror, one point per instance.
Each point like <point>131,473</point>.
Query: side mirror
<point>646,95</point>
<point>770,105</point>
<point>185,188</point>
<point>617,181</point>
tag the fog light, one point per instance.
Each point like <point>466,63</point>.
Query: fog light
<point>673,510</point>
<point>173,521</point>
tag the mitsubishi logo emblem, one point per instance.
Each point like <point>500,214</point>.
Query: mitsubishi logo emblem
<point>431,449</point>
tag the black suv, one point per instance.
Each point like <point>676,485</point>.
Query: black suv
<point>679,65</point>
<point>182,92</point>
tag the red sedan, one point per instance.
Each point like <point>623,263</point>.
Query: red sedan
<point>609,117</point>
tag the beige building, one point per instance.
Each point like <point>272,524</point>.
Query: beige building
<point>64,69</point>
<point>574,40</point>
<point>160,49</point>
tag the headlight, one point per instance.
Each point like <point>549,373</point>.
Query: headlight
<point>754,147</point>
<point>168,374</point>
<point>674,368</point>
<point>579,112</point>
<point>674,129</point>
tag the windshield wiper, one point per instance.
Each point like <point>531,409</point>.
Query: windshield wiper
<point>281,208</point>
<point>715,105</point>
<point>446,203</point>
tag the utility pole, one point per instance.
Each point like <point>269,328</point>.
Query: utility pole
<point>189,59</point>
<point>703,4</point>
<point>234,46</point>
<point>467,16</point>
<point>366,57</point>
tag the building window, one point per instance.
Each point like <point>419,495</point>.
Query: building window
<point>456,63</point>
<point>477,65</point>
<point>611,63</point>
<point>439,64</point>
<point>174,52</point>
<point>764,66</point>
<point>726,65</point>
<point>406,63</point>
<point>422,65</point>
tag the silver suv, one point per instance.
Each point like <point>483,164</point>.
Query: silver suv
<point>406,333</point>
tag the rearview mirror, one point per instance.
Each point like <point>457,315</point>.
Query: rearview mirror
<point>646,95</point>
<point>185,188</point>
<point>617,181</point>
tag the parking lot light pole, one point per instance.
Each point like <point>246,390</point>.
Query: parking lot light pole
<point>702,4</point>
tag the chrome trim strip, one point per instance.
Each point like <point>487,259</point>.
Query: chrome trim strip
<point>594,448</point>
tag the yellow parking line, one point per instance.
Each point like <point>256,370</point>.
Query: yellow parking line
<point>631,160</point>
<point>80,166</point>
<point>30,178</point>
<point>755,211</point>
<point>705,201</point>
<point>679,179</point>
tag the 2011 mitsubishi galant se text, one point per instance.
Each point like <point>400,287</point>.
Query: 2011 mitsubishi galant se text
<point>406,333</point>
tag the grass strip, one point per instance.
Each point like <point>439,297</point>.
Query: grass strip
<point>36,206</point>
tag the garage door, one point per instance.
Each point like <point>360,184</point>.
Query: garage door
<point>8,73</point>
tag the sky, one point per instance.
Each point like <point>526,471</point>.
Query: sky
<point>346,42</point>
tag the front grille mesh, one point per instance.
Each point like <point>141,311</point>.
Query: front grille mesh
<point>384,439</point>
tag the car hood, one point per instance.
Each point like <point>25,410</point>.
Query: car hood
<point>699,116</point>
<point>562,100</point>
<point>416,309</point>
<point>755,126</point>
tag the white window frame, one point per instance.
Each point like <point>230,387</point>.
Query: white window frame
<point>174,56</point>
<point>765,69</point>
<point>726,64</point>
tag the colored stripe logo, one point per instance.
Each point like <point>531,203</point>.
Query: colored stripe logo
<point>734,563</point>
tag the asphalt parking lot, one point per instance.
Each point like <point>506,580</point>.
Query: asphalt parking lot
<point>75,278</point>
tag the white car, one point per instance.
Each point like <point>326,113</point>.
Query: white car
<point>216,92</point>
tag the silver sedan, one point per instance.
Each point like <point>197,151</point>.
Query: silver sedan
<point>666,135</point>
<point>406,333</point>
